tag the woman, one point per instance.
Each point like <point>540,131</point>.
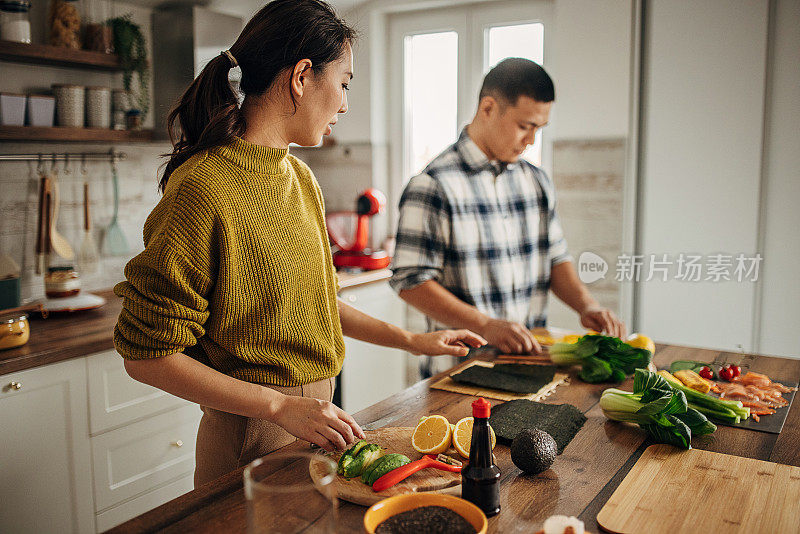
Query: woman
<point>232,304</point>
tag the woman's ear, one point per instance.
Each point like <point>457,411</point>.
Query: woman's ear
<point>300,77</point>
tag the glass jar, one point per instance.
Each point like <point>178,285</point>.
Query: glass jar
<point>64,23</point>
<point>15,25</point>
<point>98,34</point>
<point>62,281</point>
<point>14,331</point>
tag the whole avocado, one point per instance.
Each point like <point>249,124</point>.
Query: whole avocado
<point>533,450</point>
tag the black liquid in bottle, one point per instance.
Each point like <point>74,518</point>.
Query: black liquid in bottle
<point>480,479</point>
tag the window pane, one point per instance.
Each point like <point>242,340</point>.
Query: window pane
<point>431,85</point>
<point>518,40</point>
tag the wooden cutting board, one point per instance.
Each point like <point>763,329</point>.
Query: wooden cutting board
<point>670,490</point>
<point>394,439</point>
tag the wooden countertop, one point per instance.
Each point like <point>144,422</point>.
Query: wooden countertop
<point>63,336</point>
<point>580,482</point>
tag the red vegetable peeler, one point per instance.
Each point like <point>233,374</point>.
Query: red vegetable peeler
<point>401,473</point>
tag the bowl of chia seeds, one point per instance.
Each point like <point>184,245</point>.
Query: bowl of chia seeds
<point>432,513</point>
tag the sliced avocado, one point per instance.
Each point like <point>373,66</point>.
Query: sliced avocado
<point>391,462</point>
<point>365,456</point>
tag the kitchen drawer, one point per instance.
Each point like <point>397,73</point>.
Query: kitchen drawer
<point>116,399</point>
<point>138,457</point>
<point>144,503</point>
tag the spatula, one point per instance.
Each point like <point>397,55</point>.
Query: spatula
<point>58,242</point>
<point>87,255</point>
<point>114,242</point>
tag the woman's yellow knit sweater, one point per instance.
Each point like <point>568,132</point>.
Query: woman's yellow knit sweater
<point>236,271</point>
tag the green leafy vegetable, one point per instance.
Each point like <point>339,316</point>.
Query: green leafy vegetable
<point>661,410</point>
<point>722,410</point>
<point>603,358</point>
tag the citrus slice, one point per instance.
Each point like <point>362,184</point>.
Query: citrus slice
<point>432,435</point>
<point>462,436</point>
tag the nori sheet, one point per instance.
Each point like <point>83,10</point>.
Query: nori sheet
<point>562,421</point>
<point>514,377</point>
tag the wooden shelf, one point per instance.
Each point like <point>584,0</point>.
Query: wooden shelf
<point>41,54</point>
<point>92,135</point>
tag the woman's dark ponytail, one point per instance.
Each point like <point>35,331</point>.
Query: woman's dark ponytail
<point>277,37</point>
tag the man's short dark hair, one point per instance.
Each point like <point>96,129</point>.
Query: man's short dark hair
<point>514,77</point>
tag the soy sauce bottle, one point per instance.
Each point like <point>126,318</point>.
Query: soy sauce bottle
<point>480,479</point>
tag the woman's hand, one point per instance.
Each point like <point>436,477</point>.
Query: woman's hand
<point>317,421</point>
<point>445,342</point>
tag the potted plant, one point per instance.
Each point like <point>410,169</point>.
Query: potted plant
<point>130,46</point>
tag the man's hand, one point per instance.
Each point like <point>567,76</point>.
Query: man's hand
<point>510,337</point>
<point>603,320</point>
<point>445,342</point>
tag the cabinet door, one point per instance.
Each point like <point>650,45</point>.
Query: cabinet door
<point>371,373</point>
<point>44,450</point>
<point>116,399</point>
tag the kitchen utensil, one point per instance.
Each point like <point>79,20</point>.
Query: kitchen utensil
<point>354,252</point>
<point>88,254</point>
<point>41,232</point>
<point>395,439</point>
<point>401,473</point>
<point>673,490</point>
<point>114,242</point>
<point>383,510</point>
<point>58,242</point>
<point>275,484</point>
<point>448,384</point>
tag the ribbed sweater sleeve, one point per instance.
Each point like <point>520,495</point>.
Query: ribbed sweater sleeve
<point>166,292</point>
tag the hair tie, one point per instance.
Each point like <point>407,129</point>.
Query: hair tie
<point>227,53</point>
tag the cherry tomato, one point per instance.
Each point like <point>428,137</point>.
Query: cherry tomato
<point>725,373</point>
<point>735,370</point>
<point>706,373</point>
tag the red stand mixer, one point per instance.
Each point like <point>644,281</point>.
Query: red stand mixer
<point>355,253</point>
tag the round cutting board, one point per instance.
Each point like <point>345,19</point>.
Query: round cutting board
<point>393,439</point>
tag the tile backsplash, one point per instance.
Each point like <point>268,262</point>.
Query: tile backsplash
<point>19,188</point>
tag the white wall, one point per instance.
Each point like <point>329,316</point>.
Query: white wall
<point>780,299</point>
<point>704,73</point>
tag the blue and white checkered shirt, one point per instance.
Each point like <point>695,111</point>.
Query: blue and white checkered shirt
<point>486,231</point>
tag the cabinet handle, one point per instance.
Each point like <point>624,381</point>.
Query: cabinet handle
<point>351,298</point>
<point>178,443</point>
<point>16,386</point>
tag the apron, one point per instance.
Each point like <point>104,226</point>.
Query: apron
<point>226,442</point>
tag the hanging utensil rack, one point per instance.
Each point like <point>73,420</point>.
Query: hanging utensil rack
<point>66,156</point>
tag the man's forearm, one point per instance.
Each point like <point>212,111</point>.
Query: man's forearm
<point>363,327</point>
<point>432,299</point>
<point>569,289</point>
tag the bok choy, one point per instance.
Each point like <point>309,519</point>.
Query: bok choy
<point>659,409</point>
<point>603,358</point>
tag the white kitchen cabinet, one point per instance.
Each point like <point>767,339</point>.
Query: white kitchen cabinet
<point>85,447</point>
<point>371,373</point>
<point>115,399</point>
<point>44,451</point>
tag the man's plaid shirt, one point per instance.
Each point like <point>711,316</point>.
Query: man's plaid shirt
<point>487,232</point>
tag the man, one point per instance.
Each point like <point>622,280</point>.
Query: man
<point>479,242</point>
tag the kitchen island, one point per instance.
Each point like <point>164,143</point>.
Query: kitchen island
<point>580,482</point>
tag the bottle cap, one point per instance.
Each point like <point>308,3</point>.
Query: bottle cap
<point>481,408</point>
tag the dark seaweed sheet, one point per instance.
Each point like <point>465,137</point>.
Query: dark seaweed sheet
<point>514,377</point>
<point>562,421</point>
